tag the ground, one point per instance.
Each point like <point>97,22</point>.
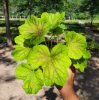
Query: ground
<point>11,88</point>
<point>86,84</point>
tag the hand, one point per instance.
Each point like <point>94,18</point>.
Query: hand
<point>67,90</point>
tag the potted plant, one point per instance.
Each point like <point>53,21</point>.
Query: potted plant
<point>46,58</point>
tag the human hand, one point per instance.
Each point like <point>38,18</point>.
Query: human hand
<point>67,90</point>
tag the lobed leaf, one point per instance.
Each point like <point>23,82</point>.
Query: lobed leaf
<point>53,19</point>
<point>80,64</point>
<point>55,68</point>
<point>19,40</point>
<point>54,64</point>
<point>20,53</point>
<point>38,55</point>
<point>86,54</point>
<point>76,44</point>
<point>33,80</point>
<point>34,28</point>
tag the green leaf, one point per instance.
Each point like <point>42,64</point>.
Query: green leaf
<point>54,64</point>
<point>33,80</point>
<point>53,19</point>
<point>59,52</point>
<point>76,44</point>
<point>38,39</point>
<point>38,55</point>
<point>20,53</point>
<point>26,30</point>
<point>38,24</point>
<point>56,68</point>
<point>62,26</point>
<point>57,31</point>
<point>80,64</point>
<point>35,29</point>
<point>19,40</point>
<point>86,54</point>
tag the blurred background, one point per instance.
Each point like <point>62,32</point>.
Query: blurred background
<point>81,16</point>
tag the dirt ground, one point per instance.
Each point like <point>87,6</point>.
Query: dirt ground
<point>86,84</point>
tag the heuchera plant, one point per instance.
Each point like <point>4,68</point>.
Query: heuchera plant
<point>44,60</point>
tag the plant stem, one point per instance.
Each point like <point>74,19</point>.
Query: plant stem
<point>51,42</point>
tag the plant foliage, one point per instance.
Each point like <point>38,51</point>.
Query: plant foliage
<point>47,65</point>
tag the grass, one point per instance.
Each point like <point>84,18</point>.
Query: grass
<point>83,21</point>
<point>13,23</point>
<point>3,30</point>
<point>21,19</point>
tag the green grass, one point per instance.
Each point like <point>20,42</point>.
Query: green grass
<point>13,23</point>
<point>3,30</point>
<point>84,21</point>
<point>14,19</point>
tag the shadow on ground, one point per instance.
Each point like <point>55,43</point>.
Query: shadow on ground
<point>5,55</point>
<point>86,84</point>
